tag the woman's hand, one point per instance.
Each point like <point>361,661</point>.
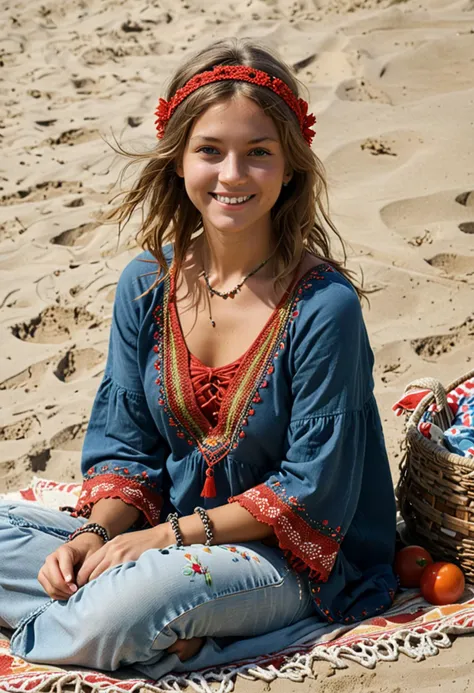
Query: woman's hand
<point>57,573</point>
<point>123,548</point>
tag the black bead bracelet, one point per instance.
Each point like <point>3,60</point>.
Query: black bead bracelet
<point>207,525</point>
<point>93,527</point>
<point>173,520</point>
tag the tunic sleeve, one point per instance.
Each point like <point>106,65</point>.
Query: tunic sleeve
<point>311,497</point>
<point>123,454</point>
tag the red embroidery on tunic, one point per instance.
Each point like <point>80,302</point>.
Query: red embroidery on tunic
<point>304,546</point>
<point>116,486</point>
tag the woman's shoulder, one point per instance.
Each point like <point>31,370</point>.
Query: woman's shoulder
<point>140,273</point>
<point>325,293</point>
<point>329,340</point>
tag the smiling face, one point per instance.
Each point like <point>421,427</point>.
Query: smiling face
<point>233,151</point>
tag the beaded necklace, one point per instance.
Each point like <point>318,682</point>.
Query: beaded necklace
<point>233,292</point>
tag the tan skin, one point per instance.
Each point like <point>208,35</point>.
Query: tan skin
<point>233,243</point>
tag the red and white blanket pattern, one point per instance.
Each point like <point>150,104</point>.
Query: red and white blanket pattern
<point>412,627</point>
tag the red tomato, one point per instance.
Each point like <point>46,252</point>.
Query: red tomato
<point>409,565</point>
<point>442,583</point>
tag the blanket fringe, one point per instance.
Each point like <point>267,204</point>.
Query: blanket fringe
<point>418,644</point>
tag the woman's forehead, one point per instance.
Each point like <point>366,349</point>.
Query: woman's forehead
<point>237,115</point>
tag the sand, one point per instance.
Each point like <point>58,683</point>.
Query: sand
<point>392,84</point>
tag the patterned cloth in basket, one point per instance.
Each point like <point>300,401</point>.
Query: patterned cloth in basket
<point>459,437</point>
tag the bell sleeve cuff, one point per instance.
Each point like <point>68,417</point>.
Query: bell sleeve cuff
<point>306,547</point>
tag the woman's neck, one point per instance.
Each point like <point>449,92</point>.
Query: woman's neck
<point>229,259</point>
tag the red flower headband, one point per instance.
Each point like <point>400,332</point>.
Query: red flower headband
<point>240,73</point>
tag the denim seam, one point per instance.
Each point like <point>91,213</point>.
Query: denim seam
<point>21,522</point>
<point>208,601</point>
<point>25,621</point>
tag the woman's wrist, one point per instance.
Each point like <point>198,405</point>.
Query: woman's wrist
<point>164,534</point>
<point>87,539</point>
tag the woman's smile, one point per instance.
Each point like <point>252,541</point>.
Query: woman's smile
<point>231,201</point>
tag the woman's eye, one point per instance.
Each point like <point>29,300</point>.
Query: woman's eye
<point>203,148</point>
<point>213,150</point>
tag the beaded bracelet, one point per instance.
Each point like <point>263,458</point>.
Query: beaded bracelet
<point>173,520</point>
<point>93,527</point>
<point>207,525</point>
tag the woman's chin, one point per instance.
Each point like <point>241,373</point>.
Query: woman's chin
<point>226,225</point>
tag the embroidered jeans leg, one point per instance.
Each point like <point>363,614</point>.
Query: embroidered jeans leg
<point>134,611</point>
<point>28,534</point>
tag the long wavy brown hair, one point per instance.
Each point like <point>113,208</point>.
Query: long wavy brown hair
<point>300,216</point>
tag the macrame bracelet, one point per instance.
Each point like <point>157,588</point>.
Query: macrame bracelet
<point>93,527</point>
<point>207,525</point>
<point>173,520</point>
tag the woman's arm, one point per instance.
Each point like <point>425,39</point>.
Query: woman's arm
<point>230,524</point>
<point>114,514</point>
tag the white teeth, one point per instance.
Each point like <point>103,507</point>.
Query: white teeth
<point>232,200</point>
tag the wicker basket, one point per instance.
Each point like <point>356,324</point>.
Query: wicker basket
<point>436,487</point>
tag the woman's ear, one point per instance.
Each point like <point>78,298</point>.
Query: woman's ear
<point>179,170</point>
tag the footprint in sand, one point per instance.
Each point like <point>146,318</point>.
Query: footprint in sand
<point>435,346</point>
<point>360,89</point>
<point>408,76</point>
<point>12,472</point>
<point>103,54</point>
<point>409,215</point>
<point>369,158</point>
<point>79,235</point>
<point>450,263</point>
<point>11,228</point>
<point>54,324</point>
<point>77,202</point>
<point>71,366</point>
<point>70,438</point>
<point>72,137</point>
<point>77,362</point>
<point>134,121</point>
<point>30,377</point>
<point>42,191</point>
<point>466,198</point>
<point>20,429</point>
<point>84,85</point>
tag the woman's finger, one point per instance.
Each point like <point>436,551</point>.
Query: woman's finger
<point>90,564</point>
<point>49,589</point>
<point>55,576</point>
<point>66,566</point>
<point>101,568</point>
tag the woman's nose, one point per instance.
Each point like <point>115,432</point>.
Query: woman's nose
<point>233,170</point>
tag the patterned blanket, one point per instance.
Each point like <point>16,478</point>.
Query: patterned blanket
<point>411,627</point>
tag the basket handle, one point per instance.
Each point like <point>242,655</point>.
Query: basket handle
<point>445,412</point>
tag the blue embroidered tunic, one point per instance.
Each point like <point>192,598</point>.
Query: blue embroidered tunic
<point>298,440</point>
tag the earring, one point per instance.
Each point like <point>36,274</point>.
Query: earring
<point>285,184</point>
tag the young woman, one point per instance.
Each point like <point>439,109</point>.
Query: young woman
<point>237,493</point>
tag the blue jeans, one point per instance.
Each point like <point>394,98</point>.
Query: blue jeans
<point>133,612</point>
